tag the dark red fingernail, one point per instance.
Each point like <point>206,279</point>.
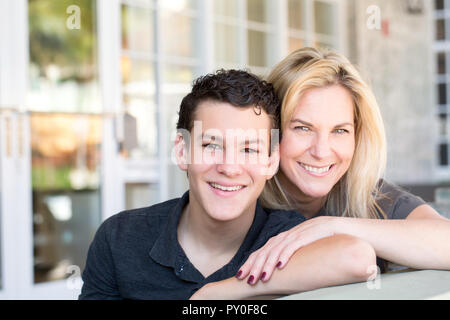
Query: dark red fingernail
<point>279,264</point>
<point>263,276</point>
<point>250,279</point>
<point>238,274</point>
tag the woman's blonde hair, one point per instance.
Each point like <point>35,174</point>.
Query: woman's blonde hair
<point>356,192</point>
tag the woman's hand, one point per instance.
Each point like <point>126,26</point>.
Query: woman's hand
<point>279,249</point>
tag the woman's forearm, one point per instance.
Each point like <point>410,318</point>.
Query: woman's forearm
<point>416,243</point>
<point>330,261</point>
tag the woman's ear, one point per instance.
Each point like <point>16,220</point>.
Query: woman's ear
<point>181,152</point>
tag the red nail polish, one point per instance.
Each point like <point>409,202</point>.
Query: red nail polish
<point>250,279</point>
<point>238,274</point>
<point>263,276</point>
<point>278,264</point>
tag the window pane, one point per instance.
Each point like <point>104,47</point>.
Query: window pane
<point>443,124</point>
<point>440,29</point>
<point>179,5</point>
<point>442,93</point>
<point>441,64</point>
<point>257,10</point>
<point>295,43</point>
<point>137,29</point>
<point>138,77</point>
<point>324,16</point>
<point>140,195</point>
<point>140,128</point>
<point>257,52</point>
<point>226,50</point>
<point>225,7</point>
<point>439,4</point>
<point>178,32</point>
<point>295,14</point>
<point>443,154</point>
<point>66,191</point>
<point>63,54</point>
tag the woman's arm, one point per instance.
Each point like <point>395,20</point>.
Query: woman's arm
<point>330,261</point>
<point>420,241</point>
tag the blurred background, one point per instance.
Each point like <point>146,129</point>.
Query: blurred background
<point>89,93</point>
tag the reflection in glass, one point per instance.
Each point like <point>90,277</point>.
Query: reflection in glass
<point>295,14</point>
<point>226,39</point>
<point>138,77</point>
<point>295,43</point>
<point>324,18</point>
<point>257,10</point>
<point>443,124</point>
<point>442,93</point>
<point>137,28</point>
<point>140,195</point>
<point>177,179</point>
<point>143,113</point>
<point>441,64</point>
<point>66,190</point>
<point>323,45</point>
<point>440,29</point>
<point>225,8</point>
<point>63,54</point>
<point>178,32</point>
<point>439,4</point>
<point>257,48</point>
<point>443,154</point>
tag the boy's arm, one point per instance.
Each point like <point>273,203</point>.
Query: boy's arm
<point>99,281</point>
<point>331,261</point>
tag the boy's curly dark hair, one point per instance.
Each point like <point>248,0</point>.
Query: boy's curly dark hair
<point>237,87</point>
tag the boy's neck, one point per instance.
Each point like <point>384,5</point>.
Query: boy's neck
<point>210,244</point>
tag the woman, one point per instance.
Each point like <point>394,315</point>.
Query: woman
<point>333,156</point>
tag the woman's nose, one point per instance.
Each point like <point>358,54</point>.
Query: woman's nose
<point>320,146</point>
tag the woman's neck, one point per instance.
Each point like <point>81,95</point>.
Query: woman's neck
<point>308,206</point>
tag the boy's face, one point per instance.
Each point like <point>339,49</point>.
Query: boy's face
<point>228,163</point>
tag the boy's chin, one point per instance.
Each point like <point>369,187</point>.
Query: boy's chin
<point>226,213</point>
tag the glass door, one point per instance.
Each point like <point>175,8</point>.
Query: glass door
<point>56,130</point>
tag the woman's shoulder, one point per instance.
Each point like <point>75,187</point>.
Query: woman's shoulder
<point>395,201</point>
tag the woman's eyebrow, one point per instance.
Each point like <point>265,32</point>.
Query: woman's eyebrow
<point>302,121</point>
<point>311,125</point>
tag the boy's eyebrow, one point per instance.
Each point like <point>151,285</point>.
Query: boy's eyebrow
<point>209,137</point>
<point>218,138</point>
<point>311,125</point>
<point>257,141</point>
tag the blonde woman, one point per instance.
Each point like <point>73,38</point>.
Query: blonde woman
<point>333,155</point>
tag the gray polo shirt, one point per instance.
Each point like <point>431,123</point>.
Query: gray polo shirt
<point>136,254</point>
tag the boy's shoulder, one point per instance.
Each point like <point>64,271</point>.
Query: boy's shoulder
<point>145,219</point>
<point>285,215</point>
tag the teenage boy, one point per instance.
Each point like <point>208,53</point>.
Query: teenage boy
<point>172,249</point>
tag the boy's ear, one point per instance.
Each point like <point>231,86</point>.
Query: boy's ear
<point>273,163</point>
<point>181,152</point>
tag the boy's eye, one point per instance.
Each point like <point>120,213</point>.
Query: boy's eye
<point>250,150</point>
<point>211,146</point>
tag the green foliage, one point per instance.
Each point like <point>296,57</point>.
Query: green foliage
<point>53,43</point>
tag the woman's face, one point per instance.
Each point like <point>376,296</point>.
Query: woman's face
<point>318,143</point>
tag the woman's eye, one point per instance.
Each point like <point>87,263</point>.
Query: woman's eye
<point>302,128</point>
<point>341,131</point>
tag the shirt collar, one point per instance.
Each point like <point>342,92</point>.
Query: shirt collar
<point>168,252</point>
